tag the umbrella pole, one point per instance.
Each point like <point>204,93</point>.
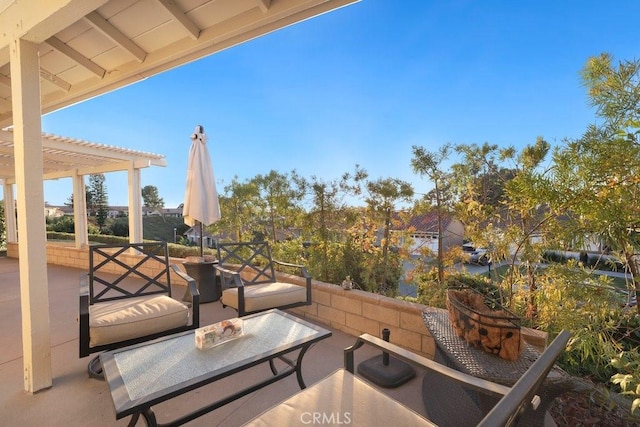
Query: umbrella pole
<point>201,241</point>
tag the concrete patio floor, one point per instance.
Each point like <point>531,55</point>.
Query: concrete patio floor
<point>75,399</point>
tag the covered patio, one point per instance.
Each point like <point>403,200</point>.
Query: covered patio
<point>78,400</point>
<point>55,53</point>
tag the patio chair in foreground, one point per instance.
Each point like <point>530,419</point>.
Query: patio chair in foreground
<point>344,398</point>
<point>126,298</point>
<point>249,282</point>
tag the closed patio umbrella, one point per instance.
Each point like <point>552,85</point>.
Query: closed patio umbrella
<point>201,197</point>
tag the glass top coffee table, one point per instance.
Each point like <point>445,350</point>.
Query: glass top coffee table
<point>146,374</point>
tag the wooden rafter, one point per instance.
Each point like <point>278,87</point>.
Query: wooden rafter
<point>76,56</point>
<point>264,5</point>
<point>50,77</point>
<point>177,13</point>
<point>116,35</point>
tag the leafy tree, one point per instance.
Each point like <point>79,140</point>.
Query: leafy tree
<point>151,198</point>
<point>64,224</point>
<point>99,198</point>
<point>429,163</point>
<point>119,227</point>
<point>382,197</point>
<point>326,221</point>
<point>279,194</point>
<point>239,206</point>
<point>599,173</point>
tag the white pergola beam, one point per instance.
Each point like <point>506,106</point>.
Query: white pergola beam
<point>190,27</point>
<point>116,35</point>
<point>103,168</point>
<point>76,56</point>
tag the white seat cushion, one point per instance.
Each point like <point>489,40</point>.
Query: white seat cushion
<point>129,318</point>
<point>265,296</point>
<point>340,399</point>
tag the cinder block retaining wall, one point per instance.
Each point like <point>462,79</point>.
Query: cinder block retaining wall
<point>353,312</point>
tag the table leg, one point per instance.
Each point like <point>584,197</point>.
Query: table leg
<point>274,370</point>
<point>297,366</point>
<point>301,383</point>
<point>134,419</point>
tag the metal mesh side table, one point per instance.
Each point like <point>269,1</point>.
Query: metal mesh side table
<point>458,354</point>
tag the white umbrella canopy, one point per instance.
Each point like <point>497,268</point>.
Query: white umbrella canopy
<point>201,197</point>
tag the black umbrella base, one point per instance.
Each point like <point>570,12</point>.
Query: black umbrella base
<point>392,375</point>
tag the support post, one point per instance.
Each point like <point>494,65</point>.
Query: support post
<point>29,162</point>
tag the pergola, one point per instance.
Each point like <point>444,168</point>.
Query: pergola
<point>73,158</point>
<point>54,53</point>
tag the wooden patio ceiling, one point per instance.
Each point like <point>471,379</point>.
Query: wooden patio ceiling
<point>90,47</point>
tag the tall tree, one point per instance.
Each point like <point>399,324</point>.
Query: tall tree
<point>87,198</point>
<point>280,194</point>
<point>99,198</point>
<point>240,206</point>
<point>382,197</point>
<point>599,173</point>
<point>513,218</point>
<point>429,163</point>
<point>327,217</point>
<point>150,197</point>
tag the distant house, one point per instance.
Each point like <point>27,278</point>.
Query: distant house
<point>193,236</point>
<point>423,232</point>
<point>53,211</point>
<point>115,211</point>
<point>173,212</point>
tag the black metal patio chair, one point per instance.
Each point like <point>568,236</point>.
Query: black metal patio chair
<point>125,298</point>
<point>249,282</point>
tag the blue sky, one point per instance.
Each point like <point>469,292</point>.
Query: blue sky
<point>362,85</point>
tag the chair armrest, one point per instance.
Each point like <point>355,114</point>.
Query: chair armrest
<point>225,272</point>
<point>484,386</point>
<point>83,320</point>
<point>302,268</point>
<point>192,289</point>
<point>508,409</point>
<point>304,273</point>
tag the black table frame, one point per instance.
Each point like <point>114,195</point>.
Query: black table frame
<point>143,407</point>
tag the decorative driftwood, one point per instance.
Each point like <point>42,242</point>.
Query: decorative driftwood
<point>495,331</point>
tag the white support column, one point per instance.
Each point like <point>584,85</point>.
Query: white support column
<point>80,211</point>
<point>10,213</point>
<point>34,284</point>
<point>135,205</point>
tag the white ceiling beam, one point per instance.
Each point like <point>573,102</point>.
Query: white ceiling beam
<point>37,20</point>
<point>116,35</point>
<point>76,56</point>
<point>177,13</point>
<point>62,84</point>
<point>264,5</point>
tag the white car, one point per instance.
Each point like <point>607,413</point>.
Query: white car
<point>475,255</point>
